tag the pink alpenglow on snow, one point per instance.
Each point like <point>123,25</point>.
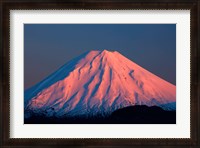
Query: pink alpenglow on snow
<point>99,82</point>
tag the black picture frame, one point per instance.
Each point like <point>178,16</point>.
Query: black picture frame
<point>7,5</point>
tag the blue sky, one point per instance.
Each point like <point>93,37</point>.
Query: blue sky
<point>49,46</point>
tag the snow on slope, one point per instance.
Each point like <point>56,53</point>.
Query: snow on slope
<point>98,82</point>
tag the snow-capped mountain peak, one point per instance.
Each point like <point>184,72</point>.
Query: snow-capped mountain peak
<point>98,82</point>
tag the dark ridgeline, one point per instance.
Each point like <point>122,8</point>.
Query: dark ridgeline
<point>139,114</point>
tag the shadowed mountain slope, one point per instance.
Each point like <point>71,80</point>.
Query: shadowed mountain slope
<point>128,115</point>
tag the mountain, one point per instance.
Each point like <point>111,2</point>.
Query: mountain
<point>98,82</point>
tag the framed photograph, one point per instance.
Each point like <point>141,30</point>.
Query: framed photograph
<point>106,74</point>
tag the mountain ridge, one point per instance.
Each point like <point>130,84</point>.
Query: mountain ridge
<point>128,115</point>
<point>104,81</point>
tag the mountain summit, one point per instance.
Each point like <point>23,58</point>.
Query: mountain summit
<point>98,82</point>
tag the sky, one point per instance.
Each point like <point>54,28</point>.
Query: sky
<point>49,46</point>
